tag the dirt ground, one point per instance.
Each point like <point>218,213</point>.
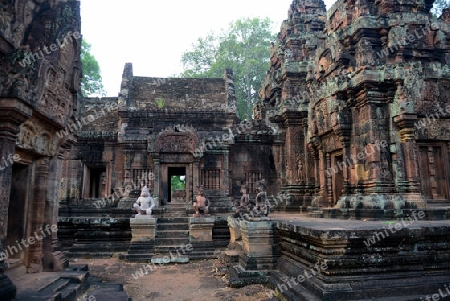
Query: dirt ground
<point>174,282</point>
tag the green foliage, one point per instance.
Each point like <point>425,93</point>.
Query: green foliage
<point>160,102</point>
<point>245,48</point>
<point>439,5</point>
<point>176,183</point>
<point>91,82</point>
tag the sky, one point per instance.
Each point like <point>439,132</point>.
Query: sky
<point>153,34</point>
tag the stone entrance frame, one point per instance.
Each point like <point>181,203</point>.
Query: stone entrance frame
<point>167,171</point>
<point>171,152</point>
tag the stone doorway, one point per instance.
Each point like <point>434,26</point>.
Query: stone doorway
<point>94,185</point>
<point>17,212</point>
<point>433,169</point>
<point>175,175</point>
<point>337,177</point>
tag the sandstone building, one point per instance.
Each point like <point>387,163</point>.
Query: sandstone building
<point>39,82</point>
<point>353,122</point>
<point>361,93</point>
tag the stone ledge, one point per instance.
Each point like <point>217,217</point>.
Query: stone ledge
<point>169,259</point>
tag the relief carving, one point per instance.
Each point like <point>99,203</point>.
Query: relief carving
<point>33,136</point>
<point>177,139</point>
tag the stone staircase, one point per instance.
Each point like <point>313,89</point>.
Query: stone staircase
<point>69,285</point>
<point>99,291</point>
<point>173,238</point>
<point>172,232</point>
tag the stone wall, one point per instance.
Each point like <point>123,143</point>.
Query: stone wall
<point>39,81</point>
<point>361,261</point>
<point>358,94</point>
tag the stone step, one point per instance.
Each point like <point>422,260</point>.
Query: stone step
<point>176,205</point>
<point>239,277</point>
<point>70,285</point>
<point>175,212</point>
<point>71,291</point>
<point>100,291</point>
<point>55,286</point>
<point>170,241</point>
<point>145,257</point>
<point>138,251</point>
<point>294,291</point>
<point>173,220</point>
<point>178,226</point>
<point>15,268</point>
<point>172,233</point>
<point>170,258</point>
<point>315,214</point>
<point>171,215</point>
<point>165,250</point>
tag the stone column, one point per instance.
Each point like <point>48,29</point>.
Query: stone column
<point>156,182</point>
<point>12,114</point>
<point>259,241</point>
<point>408,143</point>
<point>38,218</point>
<point>235,231</point>
<point>57,260</point>
<point>143,229</point>
<point>346,155</point>
<point>200,229</point>
<point>329,180</point>
<point>142,245</point>
<point>196,175</point>
<point>409,148</point>
<point>322,179</point>
<point>200,235</point>
<point>226,173</point>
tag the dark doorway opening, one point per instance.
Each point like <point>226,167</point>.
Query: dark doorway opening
<point>97,181</point>
<point>177,183</point>
<point>17,221</point>
<point>338,178</point>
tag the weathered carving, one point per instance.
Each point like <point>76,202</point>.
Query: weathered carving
<point>34,136</point>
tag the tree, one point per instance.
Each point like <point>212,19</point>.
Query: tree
<point>245,48</point>
<point>91,82</point>
<point>439,5</point>
<point>177,183</point>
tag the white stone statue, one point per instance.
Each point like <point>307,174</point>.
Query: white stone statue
<point>144,203</point>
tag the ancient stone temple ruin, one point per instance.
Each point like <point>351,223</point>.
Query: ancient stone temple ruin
<point>361,94</point>
<point>156,129</point>
<point>346,158</point>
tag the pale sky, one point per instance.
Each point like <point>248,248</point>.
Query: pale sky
<point>153,34</point>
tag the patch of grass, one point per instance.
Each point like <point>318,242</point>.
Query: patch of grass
<point>160,102</point>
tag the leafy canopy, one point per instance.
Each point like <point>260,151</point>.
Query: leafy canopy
<point>91,82</point>
<point>439,5</point>
<point>244,47</point>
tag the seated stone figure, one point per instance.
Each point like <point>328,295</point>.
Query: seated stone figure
<point>201,203</point>
<point>244,205</point>
<point>145,203</point>
<point>262,207</point>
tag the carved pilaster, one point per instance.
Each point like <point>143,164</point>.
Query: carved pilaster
<point>347,170</point>
<point>409,147</point>
<point>157,181</point>
<point>226,174</point>
<point>196,173</point>
<point>329,181</point>
<point>39,216</point>
<point>12,114</point>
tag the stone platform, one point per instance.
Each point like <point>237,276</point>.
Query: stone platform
<point>334,259</point>
<point>173,239</point>
<point>74,283</point>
